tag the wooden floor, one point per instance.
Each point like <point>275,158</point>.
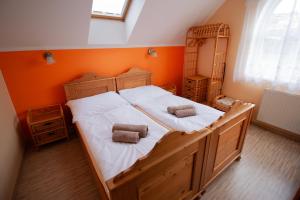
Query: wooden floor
<point>269,170</point>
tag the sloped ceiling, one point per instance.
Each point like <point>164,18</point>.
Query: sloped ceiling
<point>166,21</point>
<point>34,24</point>
<point>63,24</point>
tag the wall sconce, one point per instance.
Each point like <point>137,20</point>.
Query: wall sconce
<point>48,56</point>
<point>152,52</point>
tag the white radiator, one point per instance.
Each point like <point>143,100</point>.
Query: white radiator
<point>281,110</point>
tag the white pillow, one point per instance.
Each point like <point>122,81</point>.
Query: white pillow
<point>97,104</point>
<point>142,93</point>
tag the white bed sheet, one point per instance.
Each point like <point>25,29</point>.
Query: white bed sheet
<point>157,107</point>
<point>111,157</point>
<point>142,93</point>
<point>97,104</point>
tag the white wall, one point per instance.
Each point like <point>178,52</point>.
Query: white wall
<point>280,109</point>
<point>107,32</point>
<point>134,12</point>
<point>11,149</point>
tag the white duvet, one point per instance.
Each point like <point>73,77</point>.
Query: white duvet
<point>156,106</point>
<point>111,157</point>
<point>96,115</point>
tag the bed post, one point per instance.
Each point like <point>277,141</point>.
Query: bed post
<point>227,140</point>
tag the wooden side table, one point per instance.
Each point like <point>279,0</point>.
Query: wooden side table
<point>47,124</point>
<point>195,88</point>
<point>170,87</point>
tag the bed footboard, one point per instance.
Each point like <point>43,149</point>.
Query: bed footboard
<point>172,170</point>
<point>226,140</point>
<point>181,165</point>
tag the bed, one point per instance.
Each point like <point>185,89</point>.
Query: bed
<point>228,130</point>
<point>165,165</point>
<point>178,165</point>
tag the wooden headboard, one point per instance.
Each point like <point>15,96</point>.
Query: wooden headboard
<point>133,78</point>
<point>88,85</point>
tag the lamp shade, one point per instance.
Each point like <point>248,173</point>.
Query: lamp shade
<point>152,52</point>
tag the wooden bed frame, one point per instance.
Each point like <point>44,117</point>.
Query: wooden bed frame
<point>181,165</point>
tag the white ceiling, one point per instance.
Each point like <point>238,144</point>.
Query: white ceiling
<point>166,21</point>
<point>63,24</point>
<point>27,24</point>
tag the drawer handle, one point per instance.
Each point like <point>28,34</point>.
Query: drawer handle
<point>51,133</point>
<point>48,123</point>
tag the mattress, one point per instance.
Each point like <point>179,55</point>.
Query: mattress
<point>111,157</point>
<point>156,106</point>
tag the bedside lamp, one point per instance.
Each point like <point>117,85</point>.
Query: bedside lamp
<point>48,56</point>
<point>152,52</point>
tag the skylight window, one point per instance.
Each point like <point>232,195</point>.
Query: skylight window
<point>110,9</point>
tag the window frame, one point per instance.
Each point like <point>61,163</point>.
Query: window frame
<point>122,17</point>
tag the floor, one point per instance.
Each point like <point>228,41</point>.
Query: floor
<point>269,170</point>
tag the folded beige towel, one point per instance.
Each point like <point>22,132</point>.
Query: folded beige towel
<point>125,136</point>
<point>185,112</point>
<point>141,129</point>
<point>172,109</point>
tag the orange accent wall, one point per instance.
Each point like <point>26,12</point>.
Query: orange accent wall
<point>33,83</point>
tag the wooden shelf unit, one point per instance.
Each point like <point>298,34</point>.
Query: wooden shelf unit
<point>196,37</point>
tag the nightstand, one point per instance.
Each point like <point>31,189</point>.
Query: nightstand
<point>47,124</point>
<point>195,88</point>
<point>170,87</point>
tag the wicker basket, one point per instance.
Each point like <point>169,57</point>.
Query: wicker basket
<point>223,103</point>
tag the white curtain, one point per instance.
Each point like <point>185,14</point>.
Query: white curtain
<point>269,52</point>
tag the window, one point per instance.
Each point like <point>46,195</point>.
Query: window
<point>110,9</point>
<point>269,52</point>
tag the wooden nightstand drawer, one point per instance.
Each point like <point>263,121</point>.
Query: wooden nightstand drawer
<point>195,81</point>
<point>195,88</point>
<point>50,136</point>
<point>190,83</point>
<point>190,91</point>
<point>47,125</point>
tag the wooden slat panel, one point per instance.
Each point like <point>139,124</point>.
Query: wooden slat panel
<point>228,143</point>
<point>135,77</point>
<point>89,85</point>
<point>227,139</point>
<point>178,178</point>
